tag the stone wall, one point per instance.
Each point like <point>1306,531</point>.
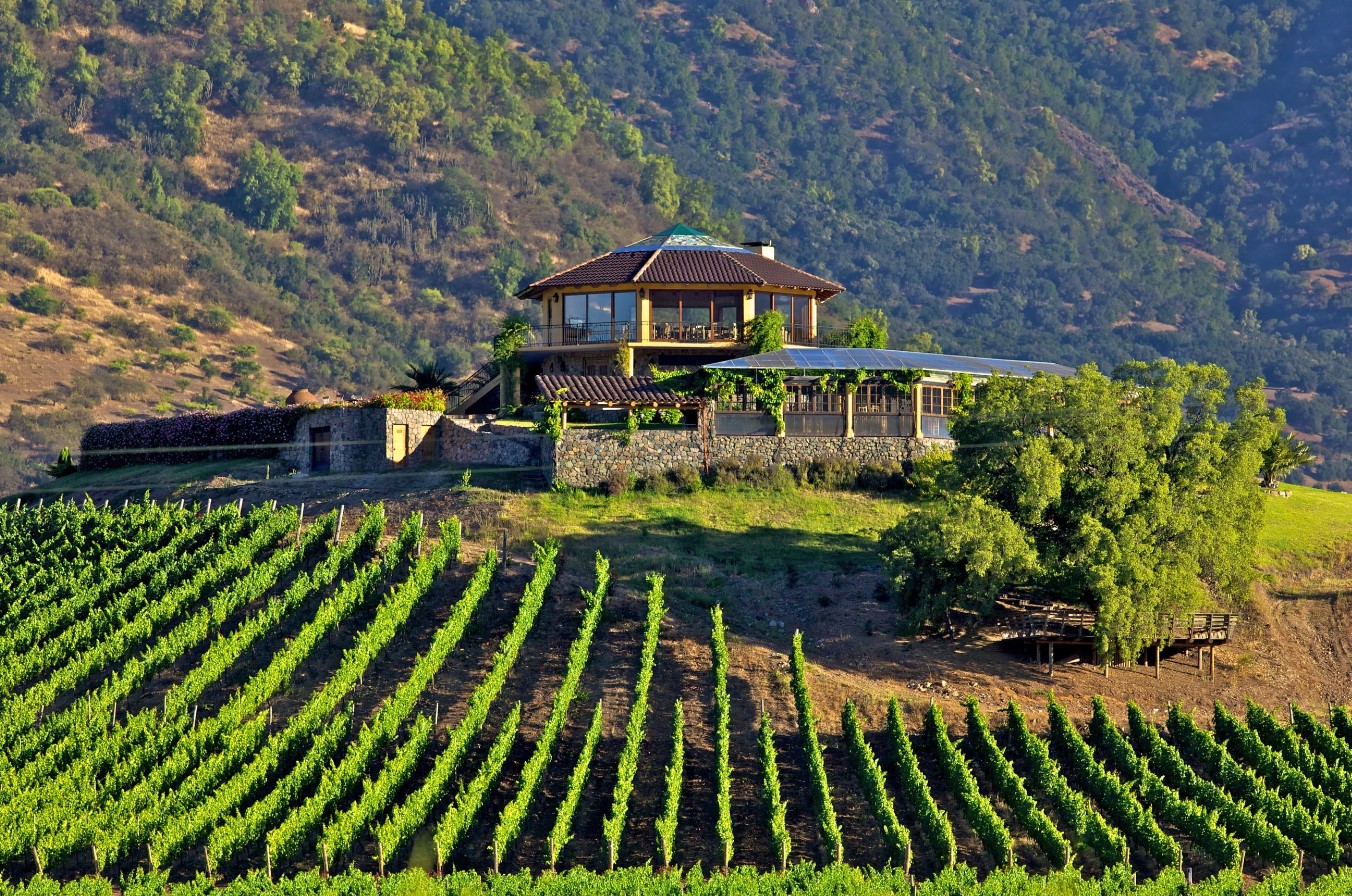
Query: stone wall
<point>362,440</point>
<point>587,458</point>
<point>479,441</point>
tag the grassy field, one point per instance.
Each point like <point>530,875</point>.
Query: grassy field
<point>1312,527</point>
<point>708,540</point>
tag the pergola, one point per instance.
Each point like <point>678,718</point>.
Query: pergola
<point>613,393</point>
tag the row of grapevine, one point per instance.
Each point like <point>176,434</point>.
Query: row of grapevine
<point>1109,792</point>
<point>138,816</point>
<point>673,778</point>
<point>170,751</point>
<point>57,829</point>
<point>722,735</point>
<point>915,788</point>
<point>1242,743</point>
<point>1330,779</point>
<point>513,815</point>
<point>874,782</point>
<point>79,595</point>
<point>562,832</point>
<point>337,781</point>
<point>1078,814</point>
<point>1009,785</point>
<point>407,817</point>
<point>378,794</point>
<point>215,570</point>
<point>612,828</point>
<point>1196,823</point>
<point>775,807</point>
<point>976,807</point>
<point>816,763</point>
<point>458,818</point>
<point>242,829</point>
<point>1255,831</point>
<point>1319,838</point>
<point>1323,741</point>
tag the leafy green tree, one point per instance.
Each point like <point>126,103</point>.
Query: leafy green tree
<point>169,109</point>
<point>506,269</point>
<point>63,466</point>
<point>21,75</point>
<point>1137,498</point>
<point>955,555</point>
<point>867,331</point>
<point>660,184</point>
<point>267,188</point>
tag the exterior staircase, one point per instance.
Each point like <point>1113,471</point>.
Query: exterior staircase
<point>476,387</point>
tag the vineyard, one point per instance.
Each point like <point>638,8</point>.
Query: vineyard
<point>194,693</point>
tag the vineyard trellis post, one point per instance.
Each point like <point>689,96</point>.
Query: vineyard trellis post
<point>338,529</point>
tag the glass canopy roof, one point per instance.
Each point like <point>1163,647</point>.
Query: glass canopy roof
<point>680,237</point>
<point>885,359</point>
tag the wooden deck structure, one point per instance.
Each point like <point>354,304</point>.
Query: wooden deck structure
<point>1044,625</point>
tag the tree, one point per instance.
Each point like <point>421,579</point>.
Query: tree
<point>1281,457</point>
<point>1138,500</point>
<point>659,184</point>
<point>63,466</point>
<point>168,109</point>
<point>430,375</point>
<point>867,331</point>
<point>954,555</point>
<point>21,75</point>
<point>266,189</point>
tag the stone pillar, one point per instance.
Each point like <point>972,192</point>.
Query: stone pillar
<point>849,413</point>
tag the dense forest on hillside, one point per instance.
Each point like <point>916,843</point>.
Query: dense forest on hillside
<point>205,203</point>
<point>1068,179</point>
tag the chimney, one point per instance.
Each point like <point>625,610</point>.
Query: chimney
<point>764,248</point>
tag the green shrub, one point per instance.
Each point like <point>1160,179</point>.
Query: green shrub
<point>31,245</point>
<point>48,198</point>
<point>9,212</point>
<point>181,334</point>
<point>36,299</point>
<point>87,197</point>
<point>833,473</point>
<point>214,320</point>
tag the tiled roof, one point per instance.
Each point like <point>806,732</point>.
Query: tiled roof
<point>617,267</point>
<point>609,391</point>
<point>681,255</point>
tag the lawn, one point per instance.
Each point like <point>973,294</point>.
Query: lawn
<point>1311,528</point>
<point>715,540</point>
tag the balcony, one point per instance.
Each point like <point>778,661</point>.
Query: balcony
<point>659,332</point>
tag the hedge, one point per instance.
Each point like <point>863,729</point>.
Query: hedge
<point>189,438</point>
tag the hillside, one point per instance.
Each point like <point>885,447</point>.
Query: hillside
<point>408,178</point>
<point>1086,181</point>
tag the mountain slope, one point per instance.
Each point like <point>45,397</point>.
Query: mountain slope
<point>430,173</point>
<point>962,165</point>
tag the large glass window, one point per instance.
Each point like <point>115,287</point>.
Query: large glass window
<point>696,315</point>
<point>599,317</point>
<point>626,316</point>
<point>797,312</point>
<point>936,401</point>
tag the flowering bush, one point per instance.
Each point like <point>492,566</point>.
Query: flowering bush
<point>249,433</point>
<point>424,400</point>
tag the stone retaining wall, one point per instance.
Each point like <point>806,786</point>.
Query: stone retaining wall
<point>587,458</point>
<point>480,442</point>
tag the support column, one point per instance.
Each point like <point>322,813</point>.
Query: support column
<point>849,413</point>
<point>915,411</point>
